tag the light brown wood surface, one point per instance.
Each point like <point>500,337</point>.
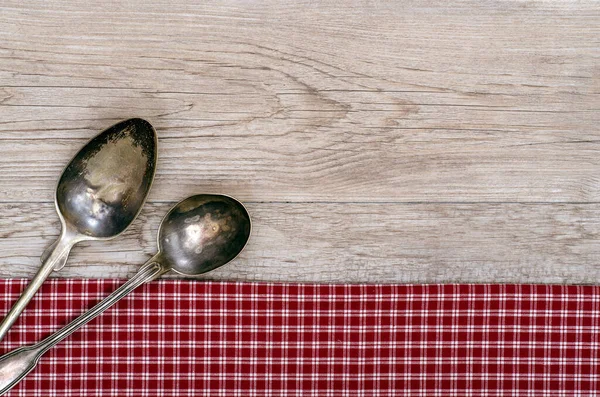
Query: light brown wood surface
<point>416,141</point>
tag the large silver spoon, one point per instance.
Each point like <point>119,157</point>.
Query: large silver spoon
<point>98,195</point>
<point>197,235</point>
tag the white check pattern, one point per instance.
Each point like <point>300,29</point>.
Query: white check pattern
<point>186,338</point>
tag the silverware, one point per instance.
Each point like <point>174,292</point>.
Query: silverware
<point>197,235</point>
<point>98,195</point>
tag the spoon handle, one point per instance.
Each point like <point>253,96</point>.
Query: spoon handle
<point>150,271</point>
<point>16,364</point>
<point>58,255</point>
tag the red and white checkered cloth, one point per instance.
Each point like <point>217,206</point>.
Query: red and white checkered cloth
<point>186,338</point>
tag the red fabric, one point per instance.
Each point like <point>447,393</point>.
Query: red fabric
<point>185,338</point>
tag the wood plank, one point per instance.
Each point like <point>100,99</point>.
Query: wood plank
<point>418,169</point>
<point>332,242</point>
<point>284,101</point>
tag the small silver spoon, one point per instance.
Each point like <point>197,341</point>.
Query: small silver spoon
<point>98,195</point>
<point>197,235</point>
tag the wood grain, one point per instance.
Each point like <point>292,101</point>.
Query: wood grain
<point>469,113</point>
<point>332,242</point>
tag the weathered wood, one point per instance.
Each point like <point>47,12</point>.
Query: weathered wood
<point>331,242</point>
<point>356,102</point>
<point>447,141</point>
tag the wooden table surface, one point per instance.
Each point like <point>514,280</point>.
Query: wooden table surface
<point>406,141</point>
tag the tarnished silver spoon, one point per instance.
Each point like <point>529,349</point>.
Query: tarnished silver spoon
<point>197,235</point>
<point>98,195</point>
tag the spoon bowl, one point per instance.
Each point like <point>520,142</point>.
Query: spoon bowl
<point>99,194</point>
<point>202,233</point>
<point>105,185</point>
